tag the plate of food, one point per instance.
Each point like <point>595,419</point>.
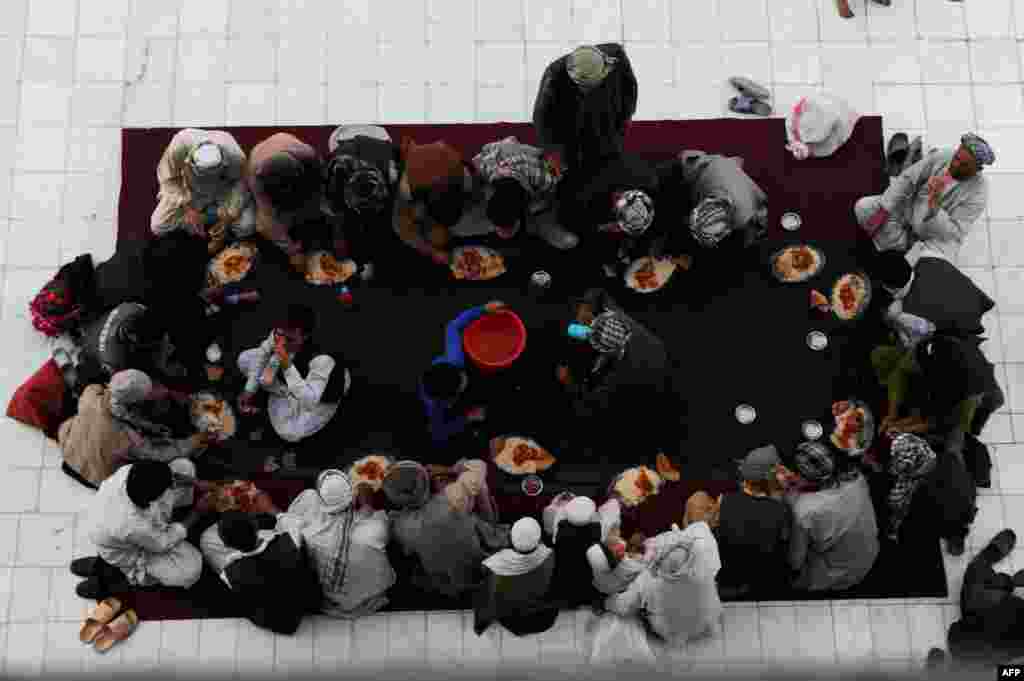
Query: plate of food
<point>211,413</point>
<point>851,295</point>
<point>794,264</point>
<point>647,275</point>
<point>517,455</point>
<point>477,263</point>
<point>855,426</point>
<point>323,269</point>
<point>665,468</point>
<point>371,470</point>
<point>235,495</point>
<point>635,485</point>
<point>232,264</point>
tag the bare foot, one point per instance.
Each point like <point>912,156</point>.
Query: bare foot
<point>844,9</point>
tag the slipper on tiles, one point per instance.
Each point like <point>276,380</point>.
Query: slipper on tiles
<point>96,620</point>
<point>118,630</point>
<point>844,9</point>
<point>746,105</point>
<point>749,88</point>
<point>896,154</point>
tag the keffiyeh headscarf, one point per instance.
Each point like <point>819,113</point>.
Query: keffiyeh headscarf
<point>129,389</point>
<point>711,221</point>
<point>912,460</point>
<point>610,333</point>
<point>360,185</point>
<point>983,153</point>
<point>588,66</point>
<point>815,463</point>
<point>634,212</point>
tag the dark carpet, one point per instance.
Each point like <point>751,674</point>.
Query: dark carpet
<point>735,335</point>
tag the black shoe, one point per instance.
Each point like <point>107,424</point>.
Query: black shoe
<point>936,658</point>
<point>1003,544</point>
<point>93,588</point>
<point>955,546</point>
<point>85,567</point>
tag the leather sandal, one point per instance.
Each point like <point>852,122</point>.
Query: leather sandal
<point>746,105</point>
<point>749,88</point>
<point>98,619</point>
<point>116,631</point>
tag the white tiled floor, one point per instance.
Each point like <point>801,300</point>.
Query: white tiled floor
<point>73,71</point>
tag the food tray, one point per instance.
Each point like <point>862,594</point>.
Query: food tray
<point>484,251</point>
<point>869,431</point>
<point>215,278</point>
<point>199,421</point>
<point>804,277</point>
<point>494,451</point>
<point>627,504</point>
<point>864,304</point>
<point>635,267</point>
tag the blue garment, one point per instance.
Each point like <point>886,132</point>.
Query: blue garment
<point>445,421</point>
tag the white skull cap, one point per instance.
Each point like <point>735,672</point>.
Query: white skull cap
<point>335,490</point>
<point>207,156</point>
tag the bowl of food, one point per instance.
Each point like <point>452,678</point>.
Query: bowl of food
<point>532,485</point>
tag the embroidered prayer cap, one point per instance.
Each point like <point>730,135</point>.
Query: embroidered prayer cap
<point>760,463</point>
<point>588,66</point>
<point>983,153</point>
<point>206,159</point>
<point>610,332</point>
<point>634,211</point>
<point>814,462</point>
<point>580,511</point>
<point>407,485</point>
<point>711,221</point>
<point>525,535</point>
<point>335,490</point>
<point>130,386</point>
<point>911,456</point>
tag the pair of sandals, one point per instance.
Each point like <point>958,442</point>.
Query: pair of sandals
<point>751,99</point>
<point>108,624</point>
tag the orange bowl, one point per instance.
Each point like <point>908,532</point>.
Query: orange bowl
<point>495,341</point>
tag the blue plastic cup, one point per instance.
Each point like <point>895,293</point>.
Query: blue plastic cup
<point>580,331</point>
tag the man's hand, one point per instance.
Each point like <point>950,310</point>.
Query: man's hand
<point>281,350</point>
<point>440,257</point>
<point>563,375</point>
<point>263,504</point>
<point>584,313</point>
<point>682,261</point>
<point>493,306</point>
<point>554,160</point>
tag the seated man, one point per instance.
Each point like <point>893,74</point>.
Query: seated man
<point>361,181</point>
<point>446,381</point>
<point>835,533</point>
<point>450,531</point>
<point>306,384</point>
<point>285,178</point>
<point>432,193</point>
<point>612,208</point>
<point>584,102</point>
<point>255,563</point>
<point>947,384</point>
<point>516,585</point>
<point>521,184</point>
<point>754,526</point>
<point>722,208</point>
<point>347,540</point>
<point>111,430</point>
<point>138,545</point>
<point>202,189</point>
<point>991,628</point>
<point>930,208</point>
<point>578,529</point>
<point>128,337</point>
<point>611,376</point>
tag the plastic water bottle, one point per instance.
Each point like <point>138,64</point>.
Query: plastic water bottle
<point>344,294</point>
<point>579,331</point>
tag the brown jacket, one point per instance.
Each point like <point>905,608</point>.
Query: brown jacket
<point>91,441</point>
<point>272,224</point>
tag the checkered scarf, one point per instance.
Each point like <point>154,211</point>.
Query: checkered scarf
<point>363,187</point>
<point>711,221</point>
<point>982,151</point>
<point>610,333</point>
<point>634,211</point>
<point>507,158</point>
<point>815,463</point>
<point>912,460</point>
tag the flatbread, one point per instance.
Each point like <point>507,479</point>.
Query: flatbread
<point>849,296</point>
<point>231,265</point>
<point>212,414</point>
<point>647,275</point>
<point>819,301</point>
<point>797,263</point>
<point>477,263</point>
<point>371,470</point>
<point>636,485</point>
<point>521,456</point>
<point>323,269</point>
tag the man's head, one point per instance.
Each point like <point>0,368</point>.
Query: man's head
<point>891,270</point>
<point>130,386</point>
<point>442,381</point>
<point>238,531</point>
<point>815,463</point>
<point>507,206</point>
<point>712,220</point>
<point>285,180</point>
<point>634,211</point>
<point>206,161</point>
<point>143,332</point>
<point>759,466</point>
<point>445,203</point>
<point>973,154</point>
<point>610,333</point>
<point>296,326</point>
<point>357,185</point>
<point>588,67</point>
<point>147,481</point>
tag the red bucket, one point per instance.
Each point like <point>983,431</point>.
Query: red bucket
<point>495,341</point>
